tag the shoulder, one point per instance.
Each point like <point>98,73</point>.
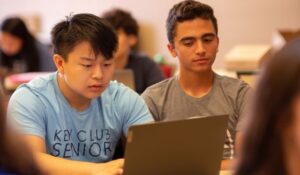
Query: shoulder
<point>160,88</point>
<point>124,99</point>
<point>42,85</point>
<point>33,97</point>
<point>232,85</point>
<point>140,58</point>
<point>118,91</point>
<point>41,81</point>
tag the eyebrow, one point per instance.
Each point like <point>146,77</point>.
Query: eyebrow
<point>187,38</point>
<point>192,38</point>
<point>87,58</point>
<point>209,35</point>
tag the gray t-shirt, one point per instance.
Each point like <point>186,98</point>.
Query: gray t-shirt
<point>167,101</point>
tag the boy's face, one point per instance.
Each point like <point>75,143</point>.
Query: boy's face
<point>125,42</point>
<point>195,45</point>
<point>84,74</point>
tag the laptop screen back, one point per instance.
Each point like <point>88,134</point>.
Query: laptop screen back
<point>125,76</point>
<point>190,147</point>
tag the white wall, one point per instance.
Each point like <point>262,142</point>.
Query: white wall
<point>240,21</point>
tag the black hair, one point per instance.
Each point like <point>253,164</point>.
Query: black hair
<point>121,19</point>
<point>84,27</point>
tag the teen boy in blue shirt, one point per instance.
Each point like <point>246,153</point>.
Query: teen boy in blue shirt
<point>73,118</point>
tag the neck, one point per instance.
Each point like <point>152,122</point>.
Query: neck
<point>75,100</point>
<point>196,84</point>
<point>121,61</point>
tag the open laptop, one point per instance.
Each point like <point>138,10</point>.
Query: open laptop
<point>125,76</point>
<point>185,147</point>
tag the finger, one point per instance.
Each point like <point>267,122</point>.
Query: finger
<point>120,171</point>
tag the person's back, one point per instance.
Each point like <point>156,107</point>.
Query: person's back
<point>146,71</point>
<point>271,140</point>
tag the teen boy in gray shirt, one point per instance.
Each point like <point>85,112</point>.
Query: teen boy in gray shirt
<point>197,90</point>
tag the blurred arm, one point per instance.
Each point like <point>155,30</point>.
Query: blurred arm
<point>59,166</point>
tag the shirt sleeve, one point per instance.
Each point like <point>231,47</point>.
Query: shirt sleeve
<point>152,106</point>
<point>27,113</point>
<point>243,102</point>
<point>133,108</point>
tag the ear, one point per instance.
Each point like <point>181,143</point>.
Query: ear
<point>172,50</point>
<point>132,40</point>
<point>59,63</point>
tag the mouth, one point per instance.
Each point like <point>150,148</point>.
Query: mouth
<point>201,60</point>
<point>97,87</point>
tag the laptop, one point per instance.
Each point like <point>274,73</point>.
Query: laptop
<point>192,146</point>
<point>125,76</point>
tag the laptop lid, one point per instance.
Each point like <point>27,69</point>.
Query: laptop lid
<point>125,76</point>
<point>191,147</point>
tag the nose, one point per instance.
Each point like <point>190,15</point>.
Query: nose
<point>200,49</point>
<point>97,72</point>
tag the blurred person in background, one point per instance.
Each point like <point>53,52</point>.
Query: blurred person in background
<point>146,71</point>
<point>271,139</point>
<point>15,157</point>
<point>20,51</point>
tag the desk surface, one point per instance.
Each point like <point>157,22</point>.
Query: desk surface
<point>11,82</point>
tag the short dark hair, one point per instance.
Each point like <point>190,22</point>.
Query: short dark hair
<point>84,27</point>
<point>188,10</point>
<point>121,19</point>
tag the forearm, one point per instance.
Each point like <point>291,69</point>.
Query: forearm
<point>59,166</point>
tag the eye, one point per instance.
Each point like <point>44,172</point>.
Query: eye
<point>107,64</point>
<point>188,43</point>
<point>208,39</point>
<point>87,65</point>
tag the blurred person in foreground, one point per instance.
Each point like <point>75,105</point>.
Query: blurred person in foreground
<point>15,156</point>
<point>271,140</point>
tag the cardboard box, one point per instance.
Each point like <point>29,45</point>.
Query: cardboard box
<point>246,57</point>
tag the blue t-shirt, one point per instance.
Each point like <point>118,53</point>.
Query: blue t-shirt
<point>39,108</point>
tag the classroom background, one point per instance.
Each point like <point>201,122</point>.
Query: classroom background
<point>240,22</point>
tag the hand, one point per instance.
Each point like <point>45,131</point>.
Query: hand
<point>114,167</point>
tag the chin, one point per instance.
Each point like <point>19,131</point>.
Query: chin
<point>203,70</point>
<point>94,95</point>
